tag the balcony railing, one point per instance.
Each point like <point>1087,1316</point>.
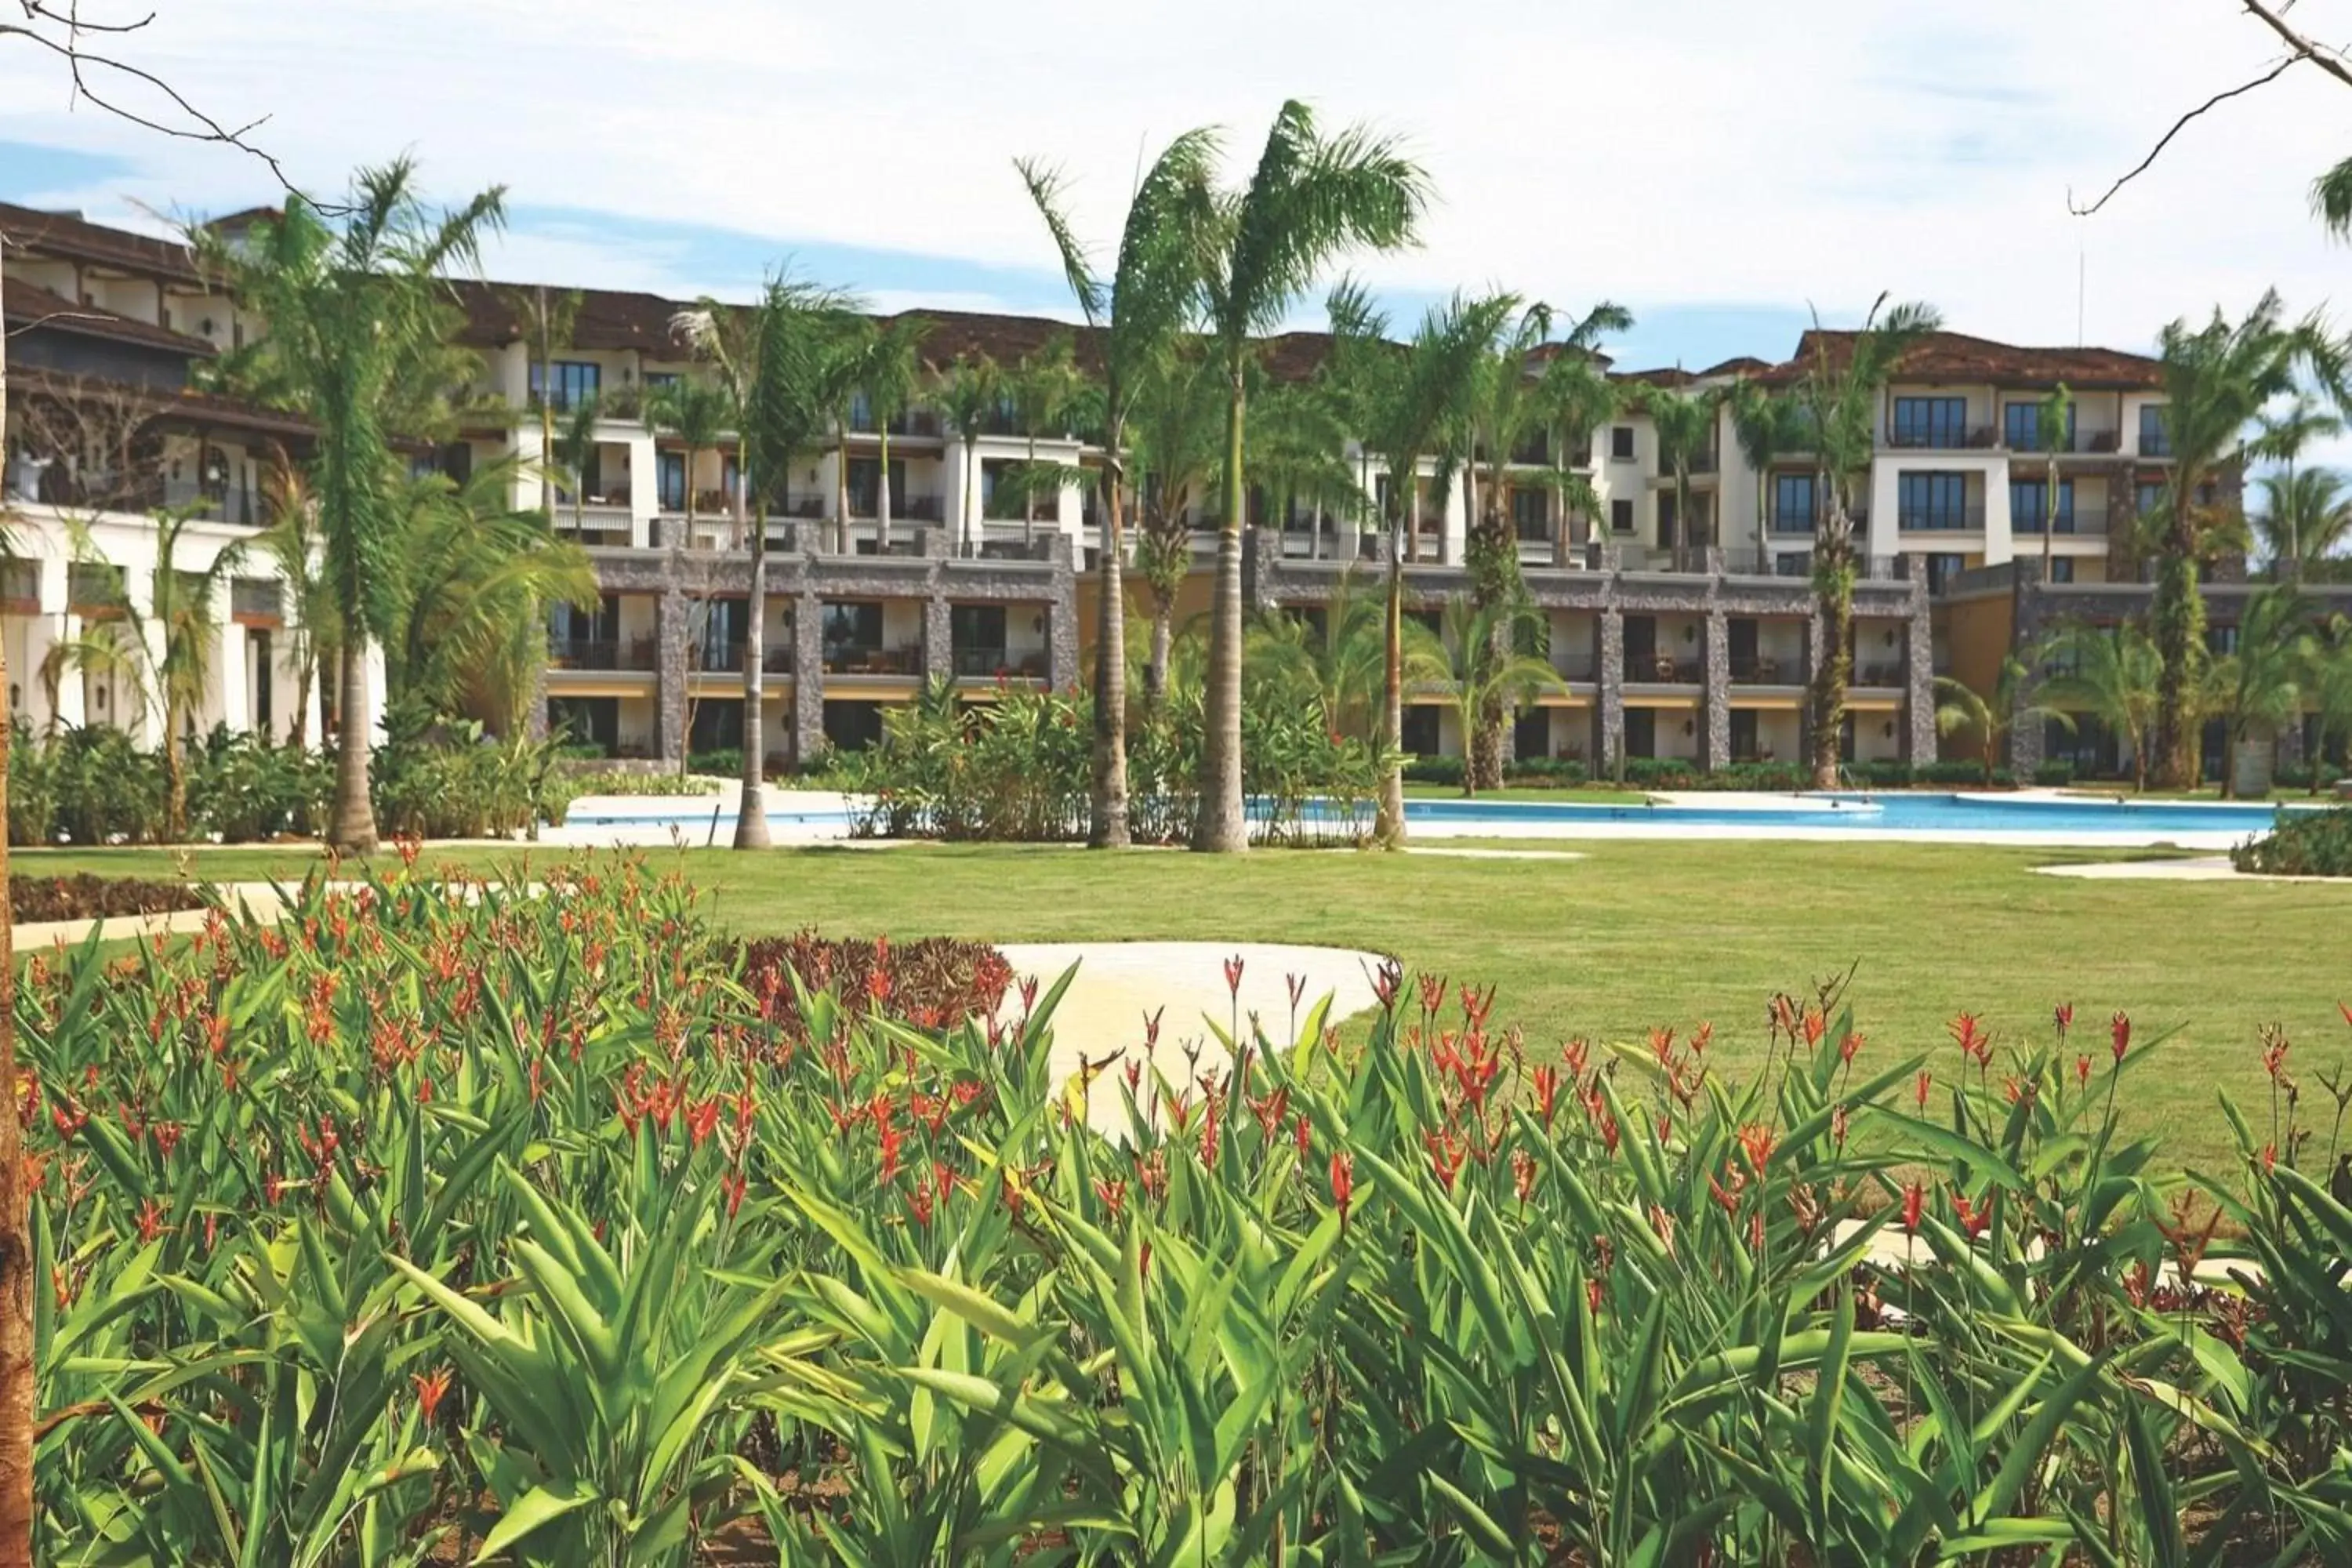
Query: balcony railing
<point>1573,664</point>
<point>1881,675</point>
<point>1941,519</point>
<point>1766,669</point>
<point>2032,522</point>
<point>777,658</point>
<point>635,654</point>
<point>992,663</point>
<point>1664,669</point>
<point>855,658</point>
<point>1942,438</point>
<point>2154,444</point>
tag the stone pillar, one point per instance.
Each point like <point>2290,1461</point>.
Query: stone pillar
<point>938,636</point>
<point>534,715</point>
<point>671,632</point>
<point>1715,703</point>
<point>808,675</point>
<point>1061,644</point>
<point>1609,714</point>
<point>1919,684</point>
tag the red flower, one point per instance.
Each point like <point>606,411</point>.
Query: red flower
<point>1302,1134</point>
<point>1592,1297</point>
<point>2081,1071</point>
<point>2119,1035</point>
<point>1816,1026</point>
<point>1444,1157</point>
<point>1233,975</point>
<point>1923,1088</point>
<point>1112,1195</point>
<point>1757,1142</point>
<point>734,1187</point>
<point>1547,1079</point>
<point>430,1388</point>
<point>1522,1175</point>
<point>1915,1198</point>
<point>1968,1032</point>
<point>1389,978</point>
<point>1343,1182</point>
<point>2064,1014</point>
<point>1849,1047</point>
<point>1972,1219</point>
<point>700,1119</point>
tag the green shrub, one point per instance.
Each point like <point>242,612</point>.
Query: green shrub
<point>727,763</point>
<point>2055,776</point>
<point>83,897</point>
<point>434,778</point>
<point>2302,843</point>
<point>630,781</point>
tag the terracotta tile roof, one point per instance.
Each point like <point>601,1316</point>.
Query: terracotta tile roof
<point>1956,358</point>
<point>1665,376</point>
<point>183,403</point>
<point>27,305</point>
<point>70,236</point>
<point>608,317</point>
<point>1738,365</point>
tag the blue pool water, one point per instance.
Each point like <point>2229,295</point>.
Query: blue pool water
<point>2090,821</point>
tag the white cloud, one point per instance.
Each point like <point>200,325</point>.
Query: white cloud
<point>1658,152</point>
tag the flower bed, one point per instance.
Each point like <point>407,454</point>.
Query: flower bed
<point>83,897</point>
<point>539,1229</point>
<point>2304,844</point>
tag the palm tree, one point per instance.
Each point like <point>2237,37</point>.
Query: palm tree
<point>1337,659</point>
<point>2217,379</point>
<point>2113,674</point>
<point>1765,423</point>
<point>477,582</point>
<point>698,413</point>
<point>1297,445</point>
<point>1961,707</point>
<point>1309,199</point>
<point>574,449</point>
<point>1577,398</point>
<point>1173,455</point>
<point>782,365</point>
<point>290,540</point>
<point>360,324</point>
<point>891,371</point>
<point>546,318</point>
<point>1838,392</point>
<point>1496,662</point>
<point>2305,517</point>
<point>2258,687</point>
<point>1412,403</point>
<point>968,397</point>
<point>2053,432</point>
<point>1685,422</point>
<point>1153,292</point>
<point>1047,388</point>
<point>2327,686</point>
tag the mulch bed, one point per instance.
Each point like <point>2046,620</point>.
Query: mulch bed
<point>83,897</point>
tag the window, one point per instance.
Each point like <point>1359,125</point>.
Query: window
<point>853,726</point>
<point>2062,569</point>
<point>1531,512</point>
<point>861,411</point>
<point>1931,422</point>
<point>1792,503</point>
<point>586,722</point>
<point>671,468</point>
<point>1793,563</point>
<point>1531,733</point>
<point>2148,497</point>
<point>718,725</point>
<point>851,629</point>
<point>1640,732</point>
<point>864,475</point>
<point>1942,569</point>
<point>1418,734</point>
<point>1621,443</point>
<point>657,379</point>
<point>1743,735</point>
<point>2021,427</point>
<point>976,633</point>
<point>2028,505</point>
<point>1932,501</point>
<point>1621,517</point>
<point>720,645</point>
<point>2221,641</point>
<point>2155,440</point>
<point>575,382</point>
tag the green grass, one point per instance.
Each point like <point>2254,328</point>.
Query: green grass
<point>1583,794</point>
<point>1637,933</point>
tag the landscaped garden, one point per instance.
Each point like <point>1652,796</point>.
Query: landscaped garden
<point>550,1226</point>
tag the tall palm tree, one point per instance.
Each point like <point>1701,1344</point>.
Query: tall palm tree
<point>698,413</point>
<point>1173,452</point>
<point>2258,687</point>
<point>2217,379</point>
<point>360,325</point>
<point>546,317</point>
<point>1047,388</point>
<point>891,371</point>
<point>2327,687</point>
<point>2054,430</point>
<point>1337,659</point>
<point>969,396</point>
<point>1153,294</point>
<point>1496,660</point>
<point>574,449</point>
<point>1310,198</point>
<point>290,539</point>
<point>782,364</point>
<point>1838,391</point>
<point>2305,516</point>
<point>1990,718</point>
<point>1414,401</point>
<point>1577,398</point>
<point>2112,673</point>
<point>1297,445</point>
<point>1767,424</point>
<point>1685,423</point>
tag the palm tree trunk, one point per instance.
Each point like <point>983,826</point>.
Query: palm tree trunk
<point>17,1387</point>
<point>1834,594</point>
<point>968,545</point>
<point>840,491</point>
<point>1389,826</point>
<point>2177,612</point>
<point>751,815</point>
<point>175,775</point>
<point>1109,829</point>
<point>351,818</point>
<point>1222,829</point>
<point>882,495</point>
<point>1163,640</point>
<point>1029,497</point>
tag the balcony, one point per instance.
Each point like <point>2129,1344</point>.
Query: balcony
<point>1574,663</point>
<point>256,602</point>
<point>634,655</point>
<point>919,424</point>
<point>858,658</point>
<point>1664,669</point>
<point>1943,438</point>
<point>1766,669</point>
<point>973,663</point>
<point>1881,675</point>
<point>1942,519</point>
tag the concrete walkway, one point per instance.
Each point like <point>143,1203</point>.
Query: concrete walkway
<point>2188,868</point>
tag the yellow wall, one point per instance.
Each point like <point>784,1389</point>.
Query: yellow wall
<point>1976,639</point>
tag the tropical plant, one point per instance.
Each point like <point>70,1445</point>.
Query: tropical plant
<point>1768,424</point>
<point>1310,198</point>
<point>2258,686</point>
<point>1837,388</point>
<point>1336,658</point>
<point>1989,719</point>
<point>2112,673</point>
<point>575,450</point>
<point>1173,454</point>
<point>887,376</point>
<point>1498,659</point>
<point>1296,446</point>
<point>1135,313</point>
<point>968,397</point>
<point>2053,432</point>
<point>361,339</point>
<point>2303,522</point>
<point>2217,379</point>
<point>1047,389</point>
<point>2327,686</point>
<point>694,411</point>
<point>546,318</point>
<point>1414,401</point>
<point>1685,422</point>
<point>291,542</point>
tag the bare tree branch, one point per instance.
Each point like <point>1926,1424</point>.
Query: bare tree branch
<point>2327,59</point>
<point>2178,125</point>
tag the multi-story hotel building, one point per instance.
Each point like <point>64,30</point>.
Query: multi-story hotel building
<point>1689,636</point>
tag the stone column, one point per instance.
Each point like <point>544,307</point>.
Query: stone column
<point>1062,643</point>
<point>671,632</point>
<point>1919,684</point>
<point>938,636</point>
<point>1715,703</point>
<point>808,675</point>
<point>1608,674</point>
<point>534,717</point>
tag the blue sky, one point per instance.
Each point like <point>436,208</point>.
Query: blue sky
<point>1718,167</point>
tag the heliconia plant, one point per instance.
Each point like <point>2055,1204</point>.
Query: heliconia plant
<point>537,1221</point>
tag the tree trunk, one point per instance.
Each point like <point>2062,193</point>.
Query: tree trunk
<point>1163,639</point>
<point>1223,827</point>
<point>1389,826</point>
<point>1834,594</point>
<point>968,544</point>
<point>882,494</point>
<point>1110,828</point>
<point>351,818</point>
<point>840,491</point>
<point>1029,498</point>
<point>17,1388</point>
<point>2177,612</point>
<point>175,777</point>
<point>752,815</point>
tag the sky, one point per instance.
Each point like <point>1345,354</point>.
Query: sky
<point>1722,168</point>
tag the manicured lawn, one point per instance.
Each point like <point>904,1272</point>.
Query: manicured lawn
<point>1636,934</point>
<point>1593,794</point>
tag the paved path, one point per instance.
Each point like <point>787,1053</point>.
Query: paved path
<point>2189,868</point>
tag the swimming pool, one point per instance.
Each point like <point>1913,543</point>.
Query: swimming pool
<point>2036,819</point>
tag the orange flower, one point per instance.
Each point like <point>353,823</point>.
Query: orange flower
<point>430,1388</point>
<point>1343,1182</point>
